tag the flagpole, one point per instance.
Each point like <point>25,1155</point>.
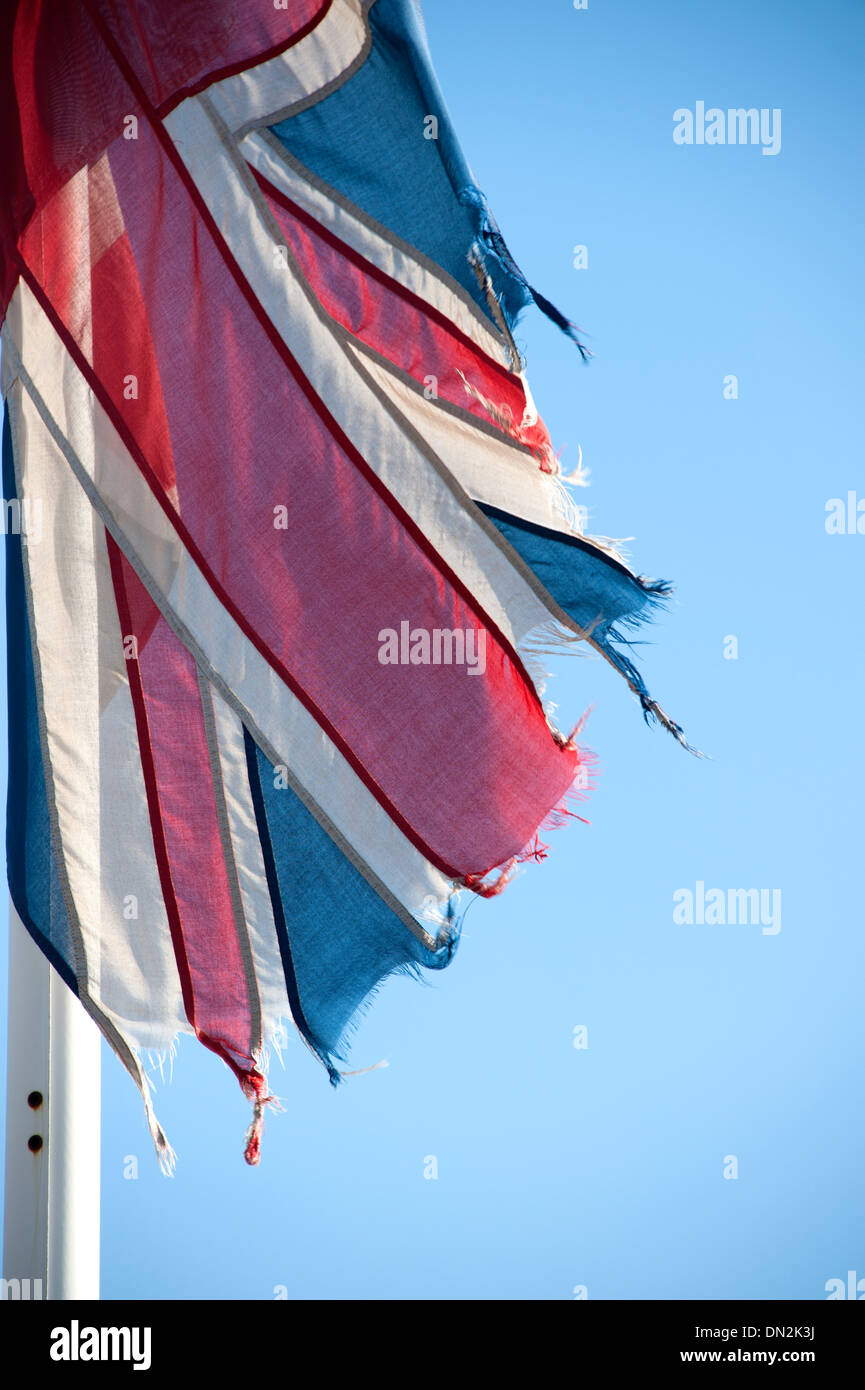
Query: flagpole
<point>53,1086</point>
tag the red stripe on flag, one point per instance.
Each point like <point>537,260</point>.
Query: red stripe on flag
<point>392,319</point>
<point>174,756</point>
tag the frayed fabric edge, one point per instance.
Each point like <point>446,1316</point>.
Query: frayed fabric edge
<point>251,1078</point>
<point>491,243</point>
<point>495,880</point>
<point>165,1154</point>
<point>606,638</point>
<point>446,947</point>
<point>255,1092</point>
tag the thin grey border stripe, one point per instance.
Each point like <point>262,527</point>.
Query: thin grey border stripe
<point>438,272</point>
<point>303,103</point>
<point>106,1026</point>
<point>234,893</point>
<point>181,631</point>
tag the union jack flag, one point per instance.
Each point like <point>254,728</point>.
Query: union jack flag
<point>273,703</point>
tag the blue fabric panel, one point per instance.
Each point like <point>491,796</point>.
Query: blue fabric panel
<point>593,589</point>
<point>366,140</point>
<point>31,868</point>
<point>585,583</point>
<point>338,939</point>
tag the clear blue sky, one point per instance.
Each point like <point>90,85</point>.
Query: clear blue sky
<point>604,1167</point>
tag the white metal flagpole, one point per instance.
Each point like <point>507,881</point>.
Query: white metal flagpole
<point>53,1078</point>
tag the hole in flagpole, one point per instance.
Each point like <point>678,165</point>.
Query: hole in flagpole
<point>34,1143</point>
<point>34,1100</point>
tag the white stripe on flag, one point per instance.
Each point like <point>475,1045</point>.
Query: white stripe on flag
<point>270,90</point>
<point>490,470</point>
<point>102,821</point>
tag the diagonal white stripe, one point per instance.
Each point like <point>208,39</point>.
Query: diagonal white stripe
<point>306,72</point>
<point>490,470</point>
